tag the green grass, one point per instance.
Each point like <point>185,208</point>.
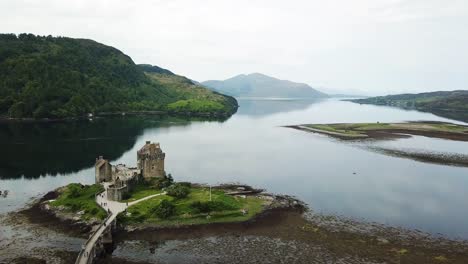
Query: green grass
<point>141,191</point>
<point>186,215</point>
<point>344,129</point>
<point>195,105</point>
<point>82,199</point>
<point>193,97</point>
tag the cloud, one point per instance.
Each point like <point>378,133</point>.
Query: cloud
<point>378,46</point>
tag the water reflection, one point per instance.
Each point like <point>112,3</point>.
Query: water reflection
<point>457,115</point>
<point>258,107</point>
<point>31,150</point>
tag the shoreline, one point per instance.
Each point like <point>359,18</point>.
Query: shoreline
<point>39,212</point>
<point>215,115</point>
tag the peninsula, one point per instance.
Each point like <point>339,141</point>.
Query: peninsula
<point>353,131</point>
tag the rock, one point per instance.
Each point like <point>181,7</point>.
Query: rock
<point>382,240</point>
<point>80,213</point>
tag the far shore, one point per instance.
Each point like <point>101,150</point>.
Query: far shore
<point>216,115</point>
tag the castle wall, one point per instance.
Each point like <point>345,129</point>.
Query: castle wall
<point>116,193</point>
<point>151,161</point>
<point>152,168</point>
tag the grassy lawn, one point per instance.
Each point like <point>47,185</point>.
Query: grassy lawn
<point>185,214</point>
<point>75,198</point>
<point>141,191</point>
<point>344,129</point>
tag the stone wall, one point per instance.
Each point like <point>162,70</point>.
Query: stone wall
<point>116,193</point>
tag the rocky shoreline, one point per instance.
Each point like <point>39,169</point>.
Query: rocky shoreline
<point>41,213</point>
<point>285,226</point>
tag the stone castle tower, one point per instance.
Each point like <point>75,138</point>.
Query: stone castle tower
<point>151,160</point>
<point>103,170</point>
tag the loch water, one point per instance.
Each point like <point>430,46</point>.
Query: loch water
<point>253,147</point>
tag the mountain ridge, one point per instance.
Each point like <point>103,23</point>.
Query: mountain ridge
<point>261,85</point>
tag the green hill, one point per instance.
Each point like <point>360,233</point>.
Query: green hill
<point>450,104</point>
<point>59,77</point>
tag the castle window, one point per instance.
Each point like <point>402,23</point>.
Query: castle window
<point>152,167</point>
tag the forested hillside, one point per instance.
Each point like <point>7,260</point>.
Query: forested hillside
<point>59,77</point>
<point>451,104</point>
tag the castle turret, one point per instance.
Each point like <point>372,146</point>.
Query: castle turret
<point>103,170</point>
<point>151,160</point>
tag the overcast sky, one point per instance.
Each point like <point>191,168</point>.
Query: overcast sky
<point>367,46</point>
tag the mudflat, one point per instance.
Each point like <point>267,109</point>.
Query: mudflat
<point>353,131</point>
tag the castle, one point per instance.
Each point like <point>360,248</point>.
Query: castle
<point>150,165</point>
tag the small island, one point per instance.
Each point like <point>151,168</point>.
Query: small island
<point>146,198</point>
<point>145,203</point>
<point>354,131</point>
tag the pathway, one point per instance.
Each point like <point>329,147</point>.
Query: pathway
<point>113,208</point>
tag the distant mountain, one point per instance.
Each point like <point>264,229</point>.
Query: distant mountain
<point>450,104</point>
<point>260,85</point>
<point>59,77</point>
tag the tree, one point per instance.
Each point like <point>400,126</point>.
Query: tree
<point>74,191</point>
<point>164,209</point>
<point>178,191</point>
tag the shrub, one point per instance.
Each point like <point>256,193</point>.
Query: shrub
<point>163,182</point>
<point>186,184</point>
<point>178,191</point>
<point>164,209</point>
<point>74,191</point>
<point>210,206</point>
<point>94,211</point>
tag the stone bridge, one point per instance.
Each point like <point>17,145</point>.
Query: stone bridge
<point>94,246</point>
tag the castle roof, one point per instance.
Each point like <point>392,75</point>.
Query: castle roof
<point>150,148</point>
<point>100,161</point>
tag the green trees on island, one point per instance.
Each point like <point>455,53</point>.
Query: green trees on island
<point>164,209</point>
<point>59,77</point>
<point>178,190</point>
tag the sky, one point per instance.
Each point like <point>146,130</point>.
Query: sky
<point>370,47</point>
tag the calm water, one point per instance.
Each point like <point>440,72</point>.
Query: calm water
<point>251,147</point>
